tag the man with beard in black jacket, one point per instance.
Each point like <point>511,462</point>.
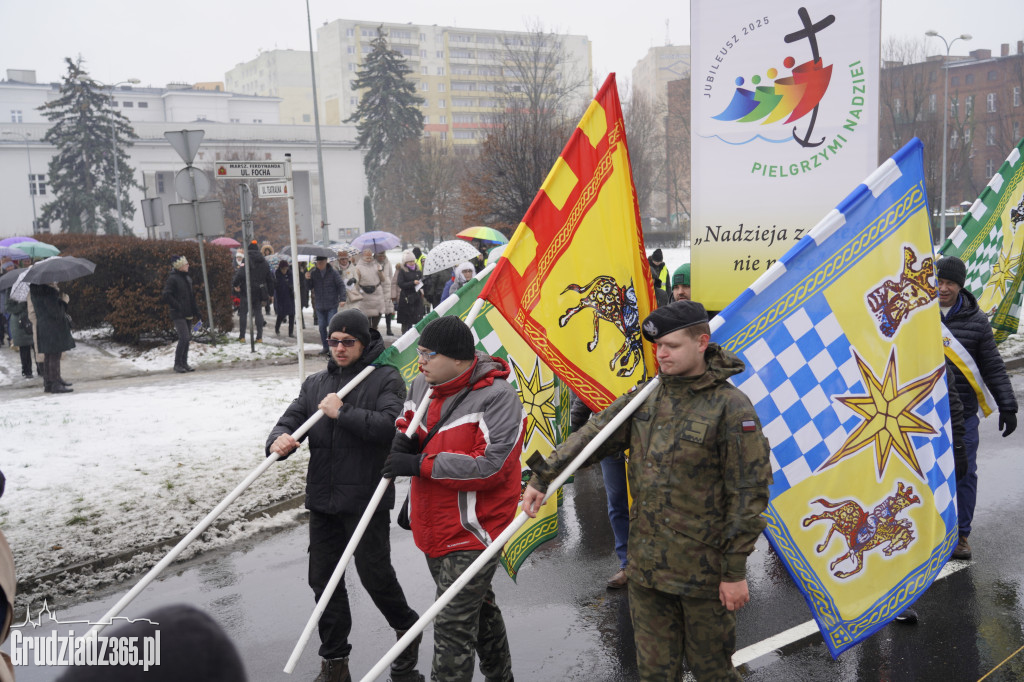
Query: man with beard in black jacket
<point>971,327</point>
<point>347,452</point>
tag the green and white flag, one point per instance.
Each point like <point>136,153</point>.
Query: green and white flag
<point>545,399</point>
<point>990,242</point>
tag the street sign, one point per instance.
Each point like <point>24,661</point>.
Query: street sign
<point>185,142</point>
<point>249,169</point>
<point>153,212</point>
<point>183,184</point>
<point>272,190</point>
<point>183,219</point>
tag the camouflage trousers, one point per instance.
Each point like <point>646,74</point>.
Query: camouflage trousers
<point>470,623</point>
<point>667,627</point>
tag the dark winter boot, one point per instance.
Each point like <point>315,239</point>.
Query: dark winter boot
<point>291,327</point>
<point>277,328</point>
<point>403,669</point>
<point>334,670</point>
<point>387,320</point>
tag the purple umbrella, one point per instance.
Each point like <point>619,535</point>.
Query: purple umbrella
<point>10,241</point>
<point>13,253</point>
<point>376,241</point>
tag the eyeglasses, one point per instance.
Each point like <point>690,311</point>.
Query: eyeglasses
<point>348,343</point>
<point>425,355</point>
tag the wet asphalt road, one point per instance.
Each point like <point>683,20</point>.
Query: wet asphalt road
<point>564,625</point>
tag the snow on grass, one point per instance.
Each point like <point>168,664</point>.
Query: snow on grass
<point>104,472</point>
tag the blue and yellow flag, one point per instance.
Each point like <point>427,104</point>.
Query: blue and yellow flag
<point>844,365</point>
<point>544,396</point>
<point>990,242</point>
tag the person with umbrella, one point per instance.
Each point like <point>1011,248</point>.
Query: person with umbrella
<point>370,278</point>
<point>410,297</point>
<point>48,312</point>
<point>179,295</point>
<point>21,332</point>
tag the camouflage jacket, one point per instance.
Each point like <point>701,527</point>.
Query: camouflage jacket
<point>699,474</point>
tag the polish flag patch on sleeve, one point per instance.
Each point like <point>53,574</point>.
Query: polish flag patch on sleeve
<point>749,426</point>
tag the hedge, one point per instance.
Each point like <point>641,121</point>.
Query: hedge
<point>130,273</point>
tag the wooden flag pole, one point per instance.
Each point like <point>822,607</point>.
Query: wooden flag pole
<point>350,549</point>
<point>516,524</point>
<point>217,511</point>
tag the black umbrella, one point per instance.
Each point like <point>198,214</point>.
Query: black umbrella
<point>8,280</point>
<point>310,250</point>
<point>59,269</point>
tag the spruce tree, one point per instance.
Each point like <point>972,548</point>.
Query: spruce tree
<point>82,170</point>
<point>388,115</point>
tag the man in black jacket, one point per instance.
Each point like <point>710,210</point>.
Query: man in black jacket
<point>260,291</point>
<point>347,451</point>
<point>179,296</point>
<point>971,327</point>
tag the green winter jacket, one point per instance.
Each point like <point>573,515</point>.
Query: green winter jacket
<point>698,472</point>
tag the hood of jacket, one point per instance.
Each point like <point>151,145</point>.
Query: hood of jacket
<point>721,364</point>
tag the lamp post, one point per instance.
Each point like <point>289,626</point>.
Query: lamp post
<point>945,121</point>
<point>31,186</point>
<point>113,150</point>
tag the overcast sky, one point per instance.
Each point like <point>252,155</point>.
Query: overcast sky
<point>199,40</point>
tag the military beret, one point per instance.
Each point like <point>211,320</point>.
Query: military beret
<point>672,317</point>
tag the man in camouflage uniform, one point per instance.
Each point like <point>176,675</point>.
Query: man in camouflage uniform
<point>699,473</point>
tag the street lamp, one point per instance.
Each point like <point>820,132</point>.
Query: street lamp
<point>113,146</point>
<point>945,120</point>
<point>31,187</point>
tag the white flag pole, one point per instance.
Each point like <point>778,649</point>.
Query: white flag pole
<point>217,511</point>
<point>516,524</point>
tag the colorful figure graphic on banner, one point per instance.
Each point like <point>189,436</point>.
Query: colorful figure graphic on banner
<point>863,531</point>
<point>617,305</point>
<point>796,95</point>
<point>895,300</point>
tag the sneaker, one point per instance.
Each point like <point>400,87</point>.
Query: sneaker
<point>334,670</point>
<point>179,369</point>
<point>962,550</point>
<point>907,616</point>
<point>618,581</point>
<point>241,339</point>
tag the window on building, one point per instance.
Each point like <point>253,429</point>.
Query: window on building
<point>442,119</point>
<point>401,35</point>
<point>424,86</point>
<point>439,54</point>
<point>440,87</point>
<point>426,119</point>
<point>990,168</point>
<point>440,71</point>
<point>236,120</point>
<point>368,32</point>
<point>353,101</point>
<point>16,116</point>
<point>37,185</point>
<point>423,53</point>
<point>1016,130</point>
<point>463,118</point>
<point>954,81</point>
<point>954,140</point>
<point>990,102</point>
<point>305,118</point>
<point>351,66</point>
<point>350,32</point>
<point>160,181</point>
<point>990,137</point>
<point>143,105</point>
<point>350,49</point>
<point>897,107</point>
<point>423,36</point>
<point>127,105</point>
<point>968,78</point>
<point>423,70</point>
<point>461,102</point>
<point>257,120</point>
<point>970,106</point>
<point>931,102</point>
<point>464,134</point>
<point>444,135</point>
<point>462,71</point>
<point>933,76</point>
<point>992,75</point>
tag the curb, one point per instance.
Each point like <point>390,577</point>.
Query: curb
<point>105,562</point>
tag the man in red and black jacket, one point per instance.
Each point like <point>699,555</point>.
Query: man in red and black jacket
<point>464,460</point>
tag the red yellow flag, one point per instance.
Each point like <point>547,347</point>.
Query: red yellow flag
<point>574,280</point>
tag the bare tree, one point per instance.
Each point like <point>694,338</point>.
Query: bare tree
<point>677,152</point>
<point>419,191</point>
<point>542,98</point>
<point>645,135</point>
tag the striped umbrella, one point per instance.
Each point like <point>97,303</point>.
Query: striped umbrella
<point>485,234</point>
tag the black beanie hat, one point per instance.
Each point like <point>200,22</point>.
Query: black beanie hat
<point>951,268</point>
<point>656,256</point>
<point>449,336</point>
<point>672,317</point>
<point>351,321</point>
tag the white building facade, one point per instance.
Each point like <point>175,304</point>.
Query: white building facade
<point>659,66</point>
<point>236,126</point>
<point>277,73</point>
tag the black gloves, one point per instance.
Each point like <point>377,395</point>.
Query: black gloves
<point>404,459</point>
<point>350,282</point>
<point>1007,423</point>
